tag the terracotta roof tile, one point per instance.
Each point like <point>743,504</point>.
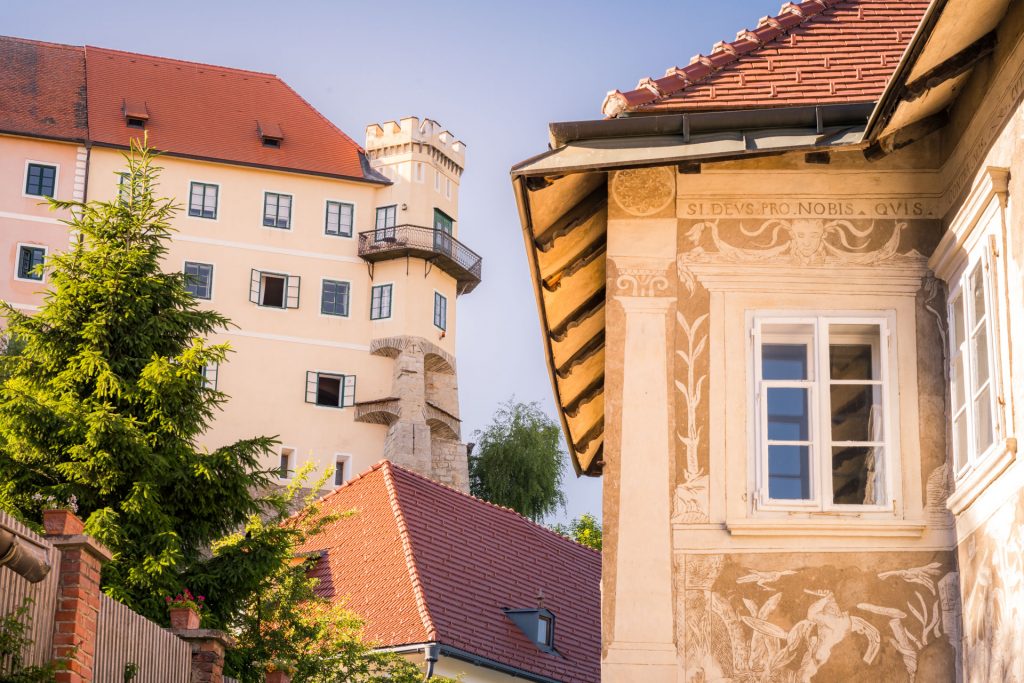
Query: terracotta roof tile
<point>422,561</point>
<point>813,52</point>
<point>42,89</point>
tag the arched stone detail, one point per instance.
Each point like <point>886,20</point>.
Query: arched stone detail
<point>435,359</point>
<point>442,423</point>
<point>382,412</point>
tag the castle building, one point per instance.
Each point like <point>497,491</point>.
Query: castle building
<point>339,264</point>
<point>780,290</point>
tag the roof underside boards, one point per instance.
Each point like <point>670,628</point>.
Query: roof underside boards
<point>563,208</point>
<point>813,52</point>
<point>42,89</point>
<point>953,38</point>
<point>423,562</point>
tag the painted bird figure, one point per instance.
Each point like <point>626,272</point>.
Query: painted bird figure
<point>764,578</point>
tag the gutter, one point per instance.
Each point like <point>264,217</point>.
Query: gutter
<point>893,93</point>
<point>435,648</point>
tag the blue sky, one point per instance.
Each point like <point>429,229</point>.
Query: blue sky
<point>493,73</point>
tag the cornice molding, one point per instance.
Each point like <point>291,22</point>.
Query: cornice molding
<point>961,236</point>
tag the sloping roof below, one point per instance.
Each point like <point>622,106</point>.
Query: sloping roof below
<point>42,89</point>
<point>813,52</point>
<point>423,562</point>
<point>213,112</point>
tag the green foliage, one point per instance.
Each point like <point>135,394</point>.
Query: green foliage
<point>14,641</point>
<point>10,346</point>
<point>106,402</point>
<point>286,625</point>
<point>518,461</point>
<point>585,530</point>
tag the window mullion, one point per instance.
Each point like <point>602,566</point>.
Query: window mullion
<point>821,438</point>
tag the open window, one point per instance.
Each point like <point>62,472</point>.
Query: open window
<point>274,290</point>
<point>330,389</point>
<point>822,387</point>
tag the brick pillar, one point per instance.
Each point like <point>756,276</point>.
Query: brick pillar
<point>78,605</point>
<point>208,646</point>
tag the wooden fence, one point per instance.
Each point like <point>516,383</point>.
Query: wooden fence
<point>14,591</point>
<point>124,637</point>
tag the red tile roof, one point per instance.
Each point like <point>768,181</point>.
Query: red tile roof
<point>194,110</point>
<point>813,52</point>
<point>423,562</point>
<point>42,89</point>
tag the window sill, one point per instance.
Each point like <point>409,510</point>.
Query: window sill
<point>968,488</point>
<point>839,526</point>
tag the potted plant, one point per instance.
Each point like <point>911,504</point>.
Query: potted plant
<point>59,518</point>
<point>185,610</point>
<point>280,671</point>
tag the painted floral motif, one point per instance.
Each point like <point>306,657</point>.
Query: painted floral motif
<point>644,191</point>
<point>692,496</point>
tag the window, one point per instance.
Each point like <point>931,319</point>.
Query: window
<point>199,279</point>
<point>380,302</point>
<point>536,624</point>
<point>440,311</point>
<point>287,463</point>
<point>972,368</point>
<point>202,200</point>
<point>329,389</point>
<point>544,630</point>
<point>448,188</point>
<point>30,259</point>
<point>275,290</point>
<point>41,180</point>
<point>210,373</point>
<point>339,219</point>
<point>277,210</point>
<point>419,171</point>
<point>437,181</point>
<point>442,232</point>
<point>384,230</point>
<point>334,298</point>
<point>821,411</point>
<point>339,470</point>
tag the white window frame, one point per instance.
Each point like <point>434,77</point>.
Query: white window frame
<point>820,448</point>
<point>347,388</point>
<point>256,289</point>
<point>352,228</point>
<point>391,301</point>
<point>188,207</point>
<point>24,178</point>
<point>348,296</point>
<point>387,232</point>
<point>445,318</point>
<point>17,261</point>
<point>211,375</point>
<point>291,209</point>
<point>290,472</point>
<point>213,269</point>
<point>345,459</point>
<point>961,287</point>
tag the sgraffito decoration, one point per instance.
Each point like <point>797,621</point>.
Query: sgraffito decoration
<point>692,495</point>
<point>641,280</point>
<point>795,242</point>
<point>784,626</point>
<point>644,191</point>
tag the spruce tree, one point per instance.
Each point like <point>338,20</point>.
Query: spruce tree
<point>106,401</point>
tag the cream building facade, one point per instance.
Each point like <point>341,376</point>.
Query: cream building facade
<point>788,338</point>
<point>339,265</point>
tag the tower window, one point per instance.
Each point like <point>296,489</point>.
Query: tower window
<point>440,311</point>
<point>380,302</point>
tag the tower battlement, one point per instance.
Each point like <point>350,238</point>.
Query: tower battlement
<point>411,136</point>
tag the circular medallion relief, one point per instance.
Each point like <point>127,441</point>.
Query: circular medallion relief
<point>644,191</point>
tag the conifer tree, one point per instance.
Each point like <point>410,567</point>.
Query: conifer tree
<point>106,401</point>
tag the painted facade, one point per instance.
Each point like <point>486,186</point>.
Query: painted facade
<point>856,515</point>
<point>368,298</point>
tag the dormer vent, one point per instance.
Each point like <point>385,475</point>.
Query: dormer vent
<point>270,133</point>
<point>136,113</point>
<point>537,624</point>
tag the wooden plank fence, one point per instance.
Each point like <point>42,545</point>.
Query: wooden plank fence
<point>14,590</point>
<point>124,637</point>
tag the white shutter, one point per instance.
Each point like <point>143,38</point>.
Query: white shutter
<point>348,390</point>
<point>292,295</point>
<point>255,286</point>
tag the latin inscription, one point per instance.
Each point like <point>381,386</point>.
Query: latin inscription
<point>832,209</point>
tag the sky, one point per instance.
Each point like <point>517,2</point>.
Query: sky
<point>493,73</point>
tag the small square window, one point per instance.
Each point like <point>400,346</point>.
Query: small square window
<point>334,298</point>
<point>277,210</point>
<point>30,259</point>
<point>135,123</point>
<point>380,302</point>
<point>339,219</point>
<point>440,311</point>
<point>40,180</point>
<point>330,390</point>
<point>202,200</point>
<point>199,279</point>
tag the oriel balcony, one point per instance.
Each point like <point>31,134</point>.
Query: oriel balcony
<point>433,245</point>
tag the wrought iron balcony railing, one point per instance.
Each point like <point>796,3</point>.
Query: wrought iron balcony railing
<point>431,244</point>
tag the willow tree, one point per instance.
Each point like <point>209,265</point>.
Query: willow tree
<point>106,401</point>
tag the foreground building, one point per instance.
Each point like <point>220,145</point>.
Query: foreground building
<point>458,584</point>
<point>781,294</point>
<point>338,264</point>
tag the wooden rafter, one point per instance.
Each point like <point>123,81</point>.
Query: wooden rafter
<point>959,63</point>
<point>579,214</point>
